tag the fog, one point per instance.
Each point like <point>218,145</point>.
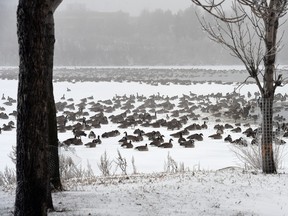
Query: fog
<point>133,7</point>
<point>124,32</point>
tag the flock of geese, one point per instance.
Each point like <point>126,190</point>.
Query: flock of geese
<point>186,118</point>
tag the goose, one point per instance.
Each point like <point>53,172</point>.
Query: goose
<point>78,133</point>
<point>188,144</point>
<point>138,131</point>
<point>196,136</point>
<point>157,141</point>
<point>7,127</point>
<point>73,140</point>
<point>180,133</point>
<point>228,126</point>
<point>142,148</point>
<point>237,130</point>
<point>216,136</point>
<point>181,139</point>
<point>113,133</point>
<point>123,140</point>
<point>127,145</point>
<point>134,138</point>
<point>63,97</point>
<point>204,125</point>
<point>98,140</point>
<point>228,138</point>
<point>166,144</point>
<point>240,141</point>
<point>92,135</point>
<point>91,144</point>
<point>3,97</point>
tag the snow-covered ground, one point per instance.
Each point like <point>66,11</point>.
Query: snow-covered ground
<point>210,187</point>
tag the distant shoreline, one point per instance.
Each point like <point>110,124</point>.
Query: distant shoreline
<point>154,75</point>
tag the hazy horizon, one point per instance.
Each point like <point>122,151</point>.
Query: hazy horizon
<point>133,7</point>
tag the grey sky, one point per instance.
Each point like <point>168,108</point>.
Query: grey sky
<point>134,7</point>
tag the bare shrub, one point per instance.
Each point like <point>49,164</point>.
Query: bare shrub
<point>251,155</point>
<point>121,163</point>
<point>105,165</point>
<point>171,166</point>
<point>12,154</point>
<point>8,177</point>
<point>67,167</point>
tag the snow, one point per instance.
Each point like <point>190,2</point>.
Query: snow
<point>223,192</point>
<point>214,182</point>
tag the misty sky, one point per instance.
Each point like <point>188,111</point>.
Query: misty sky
<point>134,7</point>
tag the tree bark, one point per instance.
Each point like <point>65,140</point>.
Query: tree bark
<point>271,26</point>
<point>35,104</point>
<point>32,119</point>
<point>268,164</point>
<point>53,156</point>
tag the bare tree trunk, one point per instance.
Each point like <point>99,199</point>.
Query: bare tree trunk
<point>35,105</point>
<point>268,165</point>
<point>53,156</point>
<point>271,26</point>
<point>32,119</point>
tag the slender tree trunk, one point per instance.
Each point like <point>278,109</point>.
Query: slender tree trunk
<point>271,26</point>
<point>268,164</point>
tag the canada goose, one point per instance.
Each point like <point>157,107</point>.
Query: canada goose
<point>98,140</point>
<point>216,136</point>
<point>91,144</point>
<point>204,125</point>
<point>3,97</point>
<point>152,135</point>
<point>73,140</point>
<point>240,141</point>
<point>180,133</point>
<point>196,136</point>
<point>134,138</point>
<point>123,140</point>
<point>188,144</point>
<point>166,144</point>
<point>142,148</point>
<point>92,135</point>
<point>113,133</point>
<point>138,131</point>
<point>78,133</point>
<point>228,126</point>
<point>181,139</point>
<point>157,141</point>
<point>228,138</point>
<point>7,127</point>
<point>63,97</point>
<point>127,145</point>
<point>237,130</point>
<point>249,132</point>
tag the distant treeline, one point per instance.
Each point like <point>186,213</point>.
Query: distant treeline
<point>154,38</point>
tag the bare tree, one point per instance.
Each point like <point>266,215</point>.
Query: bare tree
<point>35,30</point>
<point>250,33</point>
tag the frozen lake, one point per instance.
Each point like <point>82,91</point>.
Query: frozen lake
<point>208,154</point>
